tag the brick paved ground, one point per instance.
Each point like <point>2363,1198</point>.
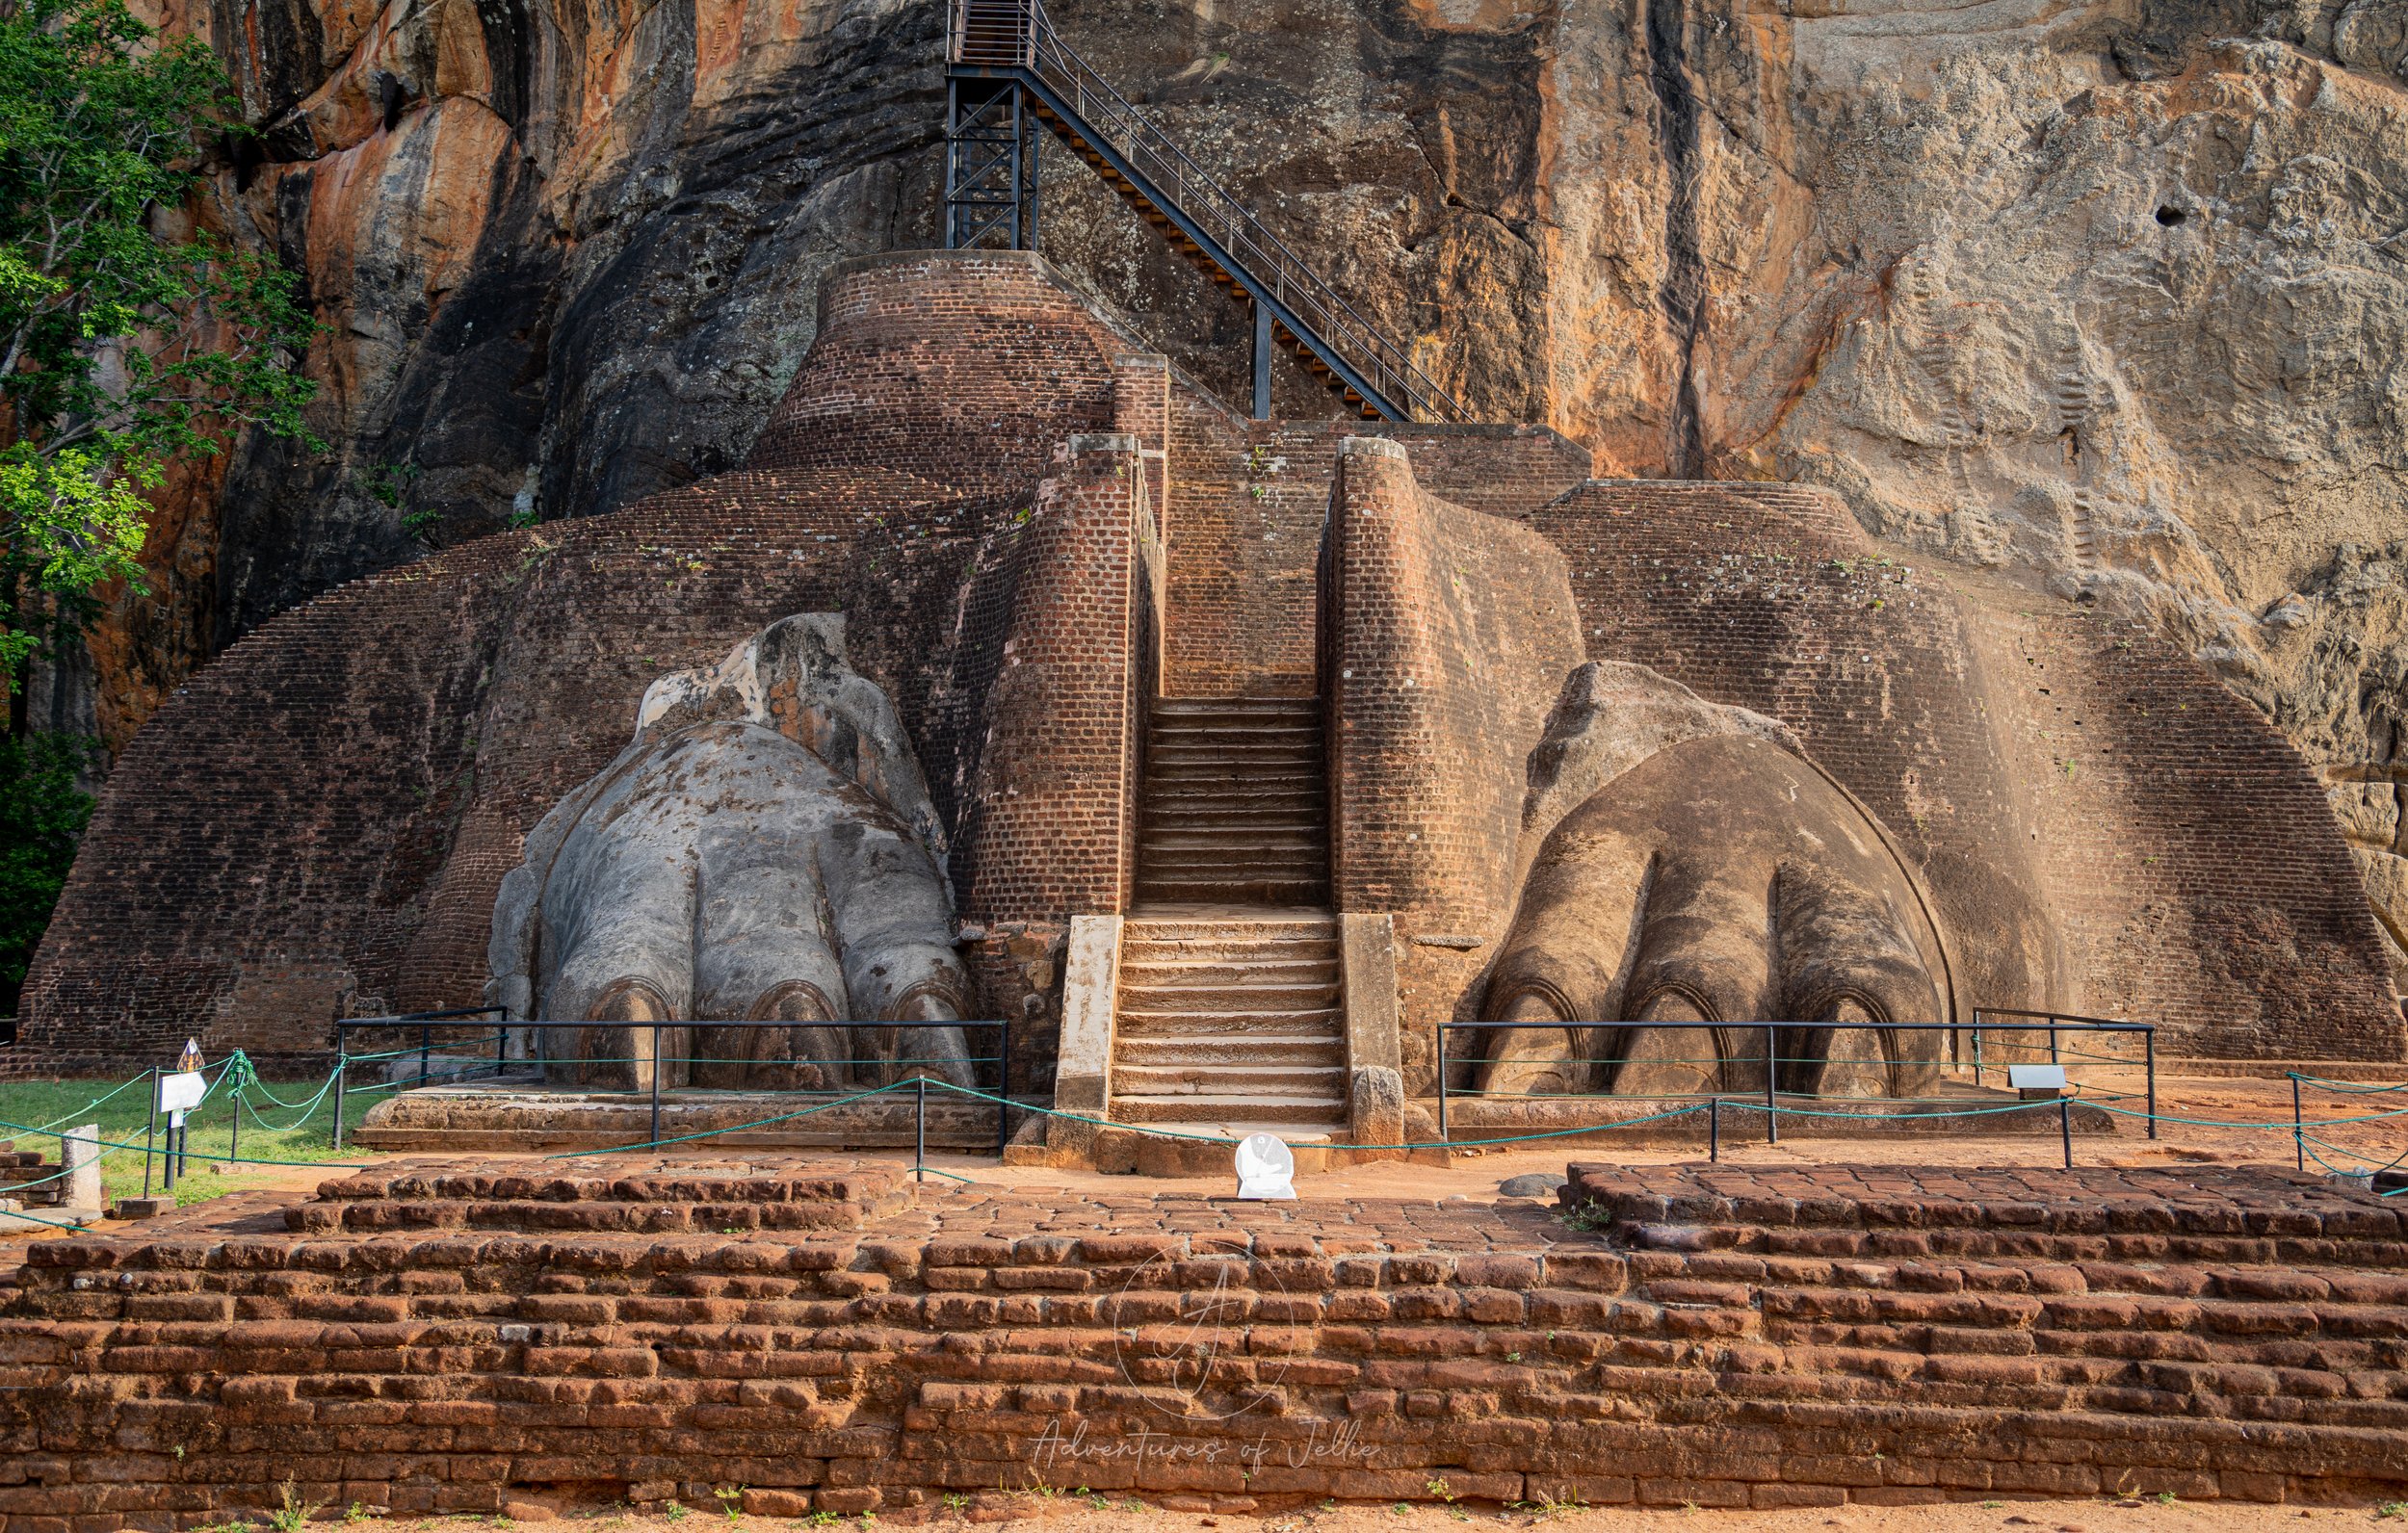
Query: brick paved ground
<point>836,1339</point>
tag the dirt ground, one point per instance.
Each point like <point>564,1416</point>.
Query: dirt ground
<point>1475,1174</point>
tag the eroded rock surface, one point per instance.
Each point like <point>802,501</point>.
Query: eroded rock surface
<point>2109,294</point>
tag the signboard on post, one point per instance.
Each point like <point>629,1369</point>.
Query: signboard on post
<point>180,1092</point>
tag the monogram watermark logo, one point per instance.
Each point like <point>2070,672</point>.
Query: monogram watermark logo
<point>1181,1328</point>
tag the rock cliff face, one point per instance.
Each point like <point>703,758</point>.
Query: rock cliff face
<point>2108,295</point>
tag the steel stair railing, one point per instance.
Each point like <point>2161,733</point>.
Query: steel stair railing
<point>1014,35</point>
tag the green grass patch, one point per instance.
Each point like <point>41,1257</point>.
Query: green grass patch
<point>302,1132</point>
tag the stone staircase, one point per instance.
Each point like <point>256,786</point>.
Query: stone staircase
<point>1235,808</point>
<point>1231,1026</point>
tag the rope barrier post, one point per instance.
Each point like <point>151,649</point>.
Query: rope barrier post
<point>1772,1113</point>
<point>150,1129</point>
<point>1976,1054</point>
<point>2298,1137</point>
<point>502,1045</point>
<point>2065,1128</point>
<point>2052,1055</point>
<point>1713,1127</point>
<point>425,1042</point>
<point>1442,1084</point>
<point>341,1085</point>
<point>2150,1040</point>
<point>1003,1085</point>
<point>234,1146</point>
<point>656,1083</point>
<point>919,1129</point>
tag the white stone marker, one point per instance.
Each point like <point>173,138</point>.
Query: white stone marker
<point>80,1153</point>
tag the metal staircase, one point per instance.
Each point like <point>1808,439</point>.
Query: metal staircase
<point>1008,70</point>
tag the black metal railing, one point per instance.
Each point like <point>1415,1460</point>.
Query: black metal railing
<point>502,1061</point>
<point>1015,36</point>
<point>1767,1101</point>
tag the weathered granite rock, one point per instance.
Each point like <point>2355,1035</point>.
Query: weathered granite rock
<point>2108,295</point>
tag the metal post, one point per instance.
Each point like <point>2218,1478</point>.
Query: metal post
<point>1262,360</point>
<point>1443,1137</point>
<point>1713,1127</point>
<point>426,1041</point>
<point>2150,1038</point>
<point>502,1045</point>
<point>920,1129</point>
<point>1003,1087</point>
<point>234,1145</point>
<point>341,1085</point>
<point>2053,1053</point>
<point>1032,134</point>
<point>1772,1116</point>
<point>2298,1134</point>
<point>1977,1055</point>
<point>656,1083</point>
<point>150,1129</point>
<point>2065,1128</point>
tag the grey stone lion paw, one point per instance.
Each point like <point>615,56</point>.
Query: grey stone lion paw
<point>764,850</point>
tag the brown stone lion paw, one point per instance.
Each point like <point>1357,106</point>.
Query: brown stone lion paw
<point>1685,863</point>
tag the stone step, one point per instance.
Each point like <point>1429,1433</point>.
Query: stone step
<point>1271,995</point>
<point>1300,1136</point>
<point>1325,1050</point>
<point>1233,866</point>
<point>1270,773</point>
<point>1203,890</point>
<point>1207,706</point>
<point>1234,807</point>
<point>1325,1113</point>
<point>1214,1024</point>
<point>1271,925</point>
<point>1265,1082</point>
<point>1300,735</point>
<point>1183,834</point>
<point>1153,972</point>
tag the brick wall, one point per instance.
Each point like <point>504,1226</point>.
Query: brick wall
<point>461,1340</point>
<point>316,825</point>
<point>980,362</point>
<point>1248,507</point>
<point>2196,872</point>
<point>1447,638</point>
<point>1051,828</point>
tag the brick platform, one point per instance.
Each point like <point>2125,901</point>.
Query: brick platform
<point>837,1339</point>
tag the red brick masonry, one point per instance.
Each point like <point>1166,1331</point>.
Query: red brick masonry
<point>834,1338</point>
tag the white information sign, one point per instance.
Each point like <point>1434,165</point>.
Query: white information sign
<point>182,1092</point>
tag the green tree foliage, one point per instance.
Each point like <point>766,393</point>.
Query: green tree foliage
<point>127,340</point>
<point>42,813</point>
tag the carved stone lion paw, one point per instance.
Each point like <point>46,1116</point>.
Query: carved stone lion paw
<point>1687,862</point>
<point>764,851</point>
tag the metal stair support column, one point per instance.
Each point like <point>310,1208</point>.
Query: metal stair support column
<point>990,165</point>
<point>1010,41</point>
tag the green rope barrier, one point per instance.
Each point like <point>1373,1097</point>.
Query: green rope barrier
<point>232,1160</point>
<point>685,1138</point>
<point>2346,1088</point>
<point>55,1224</point>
